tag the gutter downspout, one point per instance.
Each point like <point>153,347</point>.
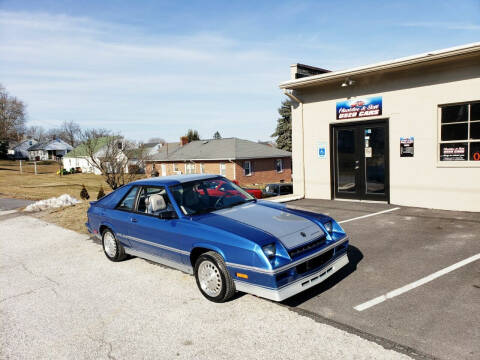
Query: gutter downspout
<point>300,102</point>
<point>234,169</point>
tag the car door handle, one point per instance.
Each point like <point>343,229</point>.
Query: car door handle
<point>133,220</point>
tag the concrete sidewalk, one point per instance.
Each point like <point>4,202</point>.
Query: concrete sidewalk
<point>61,298</point>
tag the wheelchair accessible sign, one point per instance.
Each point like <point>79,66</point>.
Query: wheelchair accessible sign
<point>322,150</point>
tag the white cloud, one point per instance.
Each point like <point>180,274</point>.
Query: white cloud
<point>103,74</point>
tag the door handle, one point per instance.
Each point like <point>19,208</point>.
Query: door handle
<point>133,220</point>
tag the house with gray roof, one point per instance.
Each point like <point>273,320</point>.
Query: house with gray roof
<point>19,151</point>
<point>49,150</point>
<point>245,161</point>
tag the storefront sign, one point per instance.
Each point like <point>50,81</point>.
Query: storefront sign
<point>406,146</point>
<point>322,150</point>
<point>453,152</point>
<point>359,108</point>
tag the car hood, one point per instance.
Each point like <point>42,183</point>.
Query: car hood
<point>292,230</point>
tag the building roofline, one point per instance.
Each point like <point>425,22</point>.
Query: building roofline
<point>382,66</point>
<point>221,159</point>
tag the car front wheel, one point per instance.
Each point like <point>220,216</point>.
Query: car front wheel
<point>213,278</point>
<point>112,248</point>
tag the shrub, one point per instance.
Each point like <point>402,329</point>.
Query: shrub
<point>101,193</point>
<point>84,193</point>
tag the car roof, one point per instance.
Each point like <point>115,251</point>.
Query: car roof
<point>173,179</point>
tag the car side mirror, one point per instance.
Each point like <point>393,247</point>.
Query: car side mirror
<point>168,215</point>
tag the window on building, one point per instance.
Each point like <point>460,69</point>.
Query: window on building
<point>190,168</point>
<point>460,132</point>
<point>223,169</point>
<point>202,168</point>
<point>247,167</point>
<point>279,165</point>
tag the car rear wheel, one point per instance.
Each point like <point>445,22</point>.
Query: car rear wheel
<point>213,278</point>
<point>112,248</point>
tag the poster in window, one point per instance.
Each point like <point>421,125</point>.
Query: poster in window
<point>475,151</point>
<point>453,152</point>
<point>406,146</point>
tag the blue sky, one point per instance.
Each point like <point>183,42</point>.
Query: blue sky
<point>154,68</point>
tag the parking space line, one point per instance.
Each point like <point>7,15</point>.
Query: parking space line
<point>368,215</point>
<point>415,284</point>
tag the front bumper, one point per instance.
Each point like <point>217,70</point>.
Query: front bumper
<point>293,288</point>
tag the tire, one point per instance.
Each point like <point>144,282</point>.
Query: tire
<point>114,251</point>
<point>220,286</point>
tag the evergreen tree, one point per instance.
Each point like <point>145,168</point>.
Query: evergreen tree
<point>192,135</point>
<point>283,132</point>
<point>217,135</point>
<point>101,193</point>
<point>84,193</point>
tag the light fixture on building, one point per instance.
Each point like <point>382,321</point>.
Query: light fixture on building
<point>348,82</point>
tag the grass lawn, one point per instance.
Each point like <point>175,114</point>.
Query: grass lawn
<point>48,184</point>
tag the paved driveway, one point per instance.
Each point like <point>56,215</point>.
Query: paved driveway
<point>61,298</point>
<point>9,205</point>
<point>406,253</point>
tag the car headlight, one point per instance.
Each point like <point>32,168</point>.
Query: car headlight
<point>328,226</point>
<point>269,250</point>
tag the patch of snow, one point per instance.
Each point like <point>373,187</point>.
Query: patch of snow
<point>55,202</point>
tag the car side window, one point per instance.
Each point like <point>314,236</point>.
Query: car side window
<point>154,200</point>
<point>128,202</point>
<point>285,189</point>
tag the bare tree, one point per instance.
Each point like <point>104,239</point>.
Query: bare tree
<point>54,133</point>
<point>70,132</point>
<point>36,132</point>
<point>12,116</point>
<point>118,160</point>
<point>157,140</point>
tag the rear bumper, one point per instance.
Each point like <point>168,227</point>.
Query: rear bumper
<point>297,286</point>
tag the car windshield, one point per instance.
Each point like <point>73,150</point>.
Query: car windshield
<point>203,196</point>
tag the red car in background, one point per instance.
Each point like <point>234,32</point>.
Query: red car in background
<point>219,188</point>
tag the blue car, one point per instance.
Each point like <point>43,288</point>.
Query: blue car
<point>224,236</point>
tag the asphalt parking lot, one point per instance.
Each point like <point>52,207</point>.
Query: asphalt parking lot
<point>60,298</point>
<point>400,248</point>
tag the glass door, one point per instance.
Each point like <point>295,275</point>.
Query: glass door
<point>360,161</point>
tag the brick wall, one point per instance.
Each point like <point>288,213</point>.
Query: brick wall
<point>264,170</point>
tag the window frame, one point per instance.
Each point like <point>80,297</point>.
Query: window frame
<point>224,168</point>
<point>188,167</point>
<point>281,165</point>
<point>456,164</point>
<point>249,168</point>
<point>117,207</point>
<point>137,199</point>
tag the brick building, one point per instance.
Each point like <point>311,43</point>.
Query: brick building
<point>246,161</point>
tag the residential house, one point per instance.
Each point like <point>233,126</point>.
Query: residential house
<point>49,150</point>
<point>246,161</point>
<point>19,150</point>
<point>79,158</point>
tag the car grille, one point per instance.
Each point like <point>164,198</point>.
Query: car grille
<point>307,247</point>
<point>315,262</point>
